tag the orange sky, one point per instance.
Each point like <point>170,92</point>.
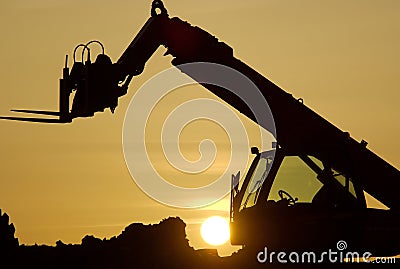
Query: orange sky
<point>65,181</point>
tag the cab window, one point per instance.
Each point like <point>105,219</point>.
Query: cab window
<point>297,179</point>
<point>256,181</point>
<point>323,187</point>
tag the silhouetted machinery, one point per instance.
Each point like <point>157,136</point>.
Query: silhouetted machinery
<point>306,193</point>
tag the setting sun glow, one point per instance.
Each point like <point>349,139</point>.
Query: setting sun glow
<point>215,230</point>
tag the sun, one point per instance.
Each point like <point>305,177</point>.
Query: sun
<point>215,230</point>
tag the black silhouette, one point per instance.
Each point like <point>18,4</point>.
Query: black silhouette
<point>8,242</point>
<point>162,245</point>
<point>339,168</point>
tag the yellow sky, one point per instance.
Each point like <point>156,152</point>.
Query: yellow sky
<point>65,181</point>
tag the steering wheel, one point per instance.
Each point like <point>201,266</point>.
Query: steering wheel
<point>284,195</point>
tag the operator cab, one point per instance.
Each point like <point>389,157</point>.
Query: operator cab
<point>291,201</point>
<point>299,180</point>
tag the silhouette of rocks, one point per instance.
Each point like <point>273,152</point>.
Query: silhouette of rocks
<point>162,245</point>
<point>8,242</point>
